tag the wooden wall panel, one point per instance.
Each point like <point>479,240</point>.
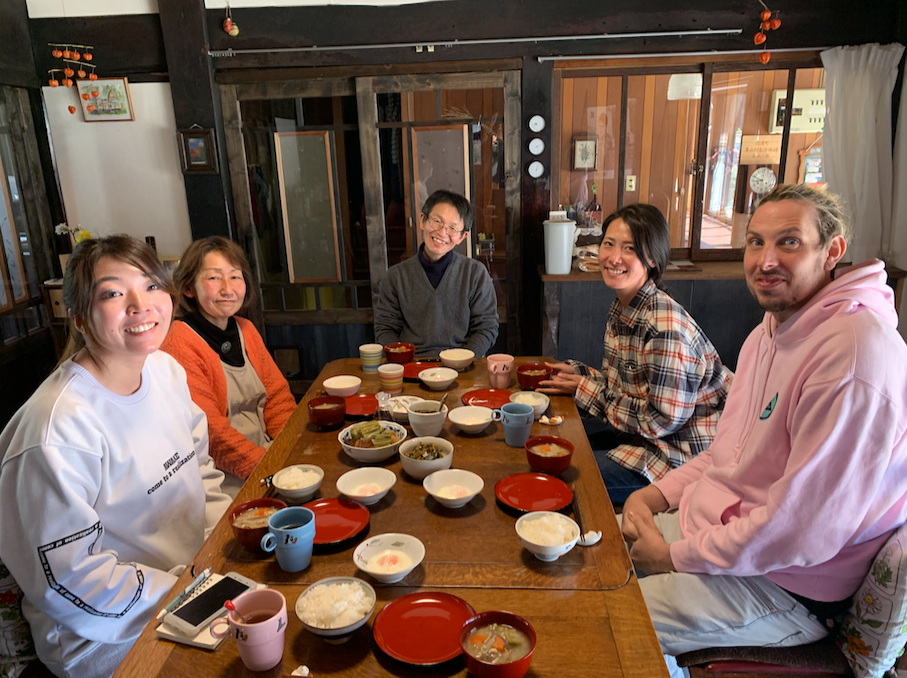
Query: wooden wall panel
<point>566,135</point>
<point>636,91</point>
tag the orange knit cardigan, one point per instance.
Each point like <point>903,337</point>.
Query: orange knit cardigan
<point>230,449</point>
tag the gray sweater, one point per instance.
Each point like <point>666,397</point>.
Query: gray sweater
<point>462,312</point>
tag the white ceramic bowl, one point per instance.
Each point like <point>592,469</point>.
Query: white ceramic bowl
<point>372,453</point>
<point>380,481</point>
<point>425,418</point>
<point>340,634</point>
<point>438,378</point>
<point>537,401</point>
<point>343,385</point>
<point>457,358</point>
<point>392,541</point>
<point>298,494</point>
<point>471,483</point>
<point>471,418</point>
<point>542,551</point>
<point>398,407</point>
<point>419,468</point>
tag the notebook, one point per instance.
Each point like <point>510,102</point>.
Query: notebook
<point>203,639</point>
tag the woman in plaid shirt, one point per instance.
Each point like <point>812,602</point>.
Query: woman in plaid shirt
<point>662,384</point>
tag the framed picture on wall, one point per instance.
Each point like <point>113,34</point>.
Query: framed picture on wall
<point>585,153</point>
<point>105,100</point>
<point>198,154</point>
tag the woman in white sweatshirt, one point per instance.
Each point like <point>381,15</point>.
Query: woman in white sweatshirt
<point>106,487</point>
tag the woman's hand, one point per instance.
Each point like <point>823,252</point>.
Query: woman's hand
<point>561,383</point>
<point>561,368</point>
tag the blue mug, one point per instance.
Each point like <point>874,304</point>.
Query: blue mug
<point>291,532</point>
<point>517,419</point>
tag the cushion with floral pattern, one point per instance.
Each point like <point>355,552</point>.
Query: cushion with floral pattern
<point>874,630</point>
<point>16,646</point>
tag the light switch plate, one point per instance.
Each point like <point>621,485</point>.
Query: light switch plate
<point>630,184</point>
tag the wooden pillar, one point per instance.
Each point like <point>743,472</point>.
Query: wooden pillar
<point>196,101</point>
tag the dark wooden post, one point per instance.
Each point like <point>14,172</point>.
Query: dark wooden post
<point>196,101</point>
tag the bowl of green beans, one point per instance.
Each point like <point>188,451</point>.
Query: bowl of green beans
<point>372,441</point>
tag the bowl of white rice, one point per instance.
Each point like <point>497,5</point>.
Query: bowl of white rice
<point>299,482</point>
<point>335,607</point>
<point>547,535</point>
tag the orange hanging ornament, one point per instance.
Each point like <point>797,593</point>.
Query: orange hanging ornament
<point>67,54</point>
<point>93,76</point>
<point>766,14</point>
<point>765,57</point>
<point>68,72</point>
<point>53,83</point>
<point>759,39</point>
<point>57,53</point>
<point>87,56</point>
<point>67,82</point>
<point>72,109</point>
<point>80,73</point>
<point>776,24</point>
<point>76,56</point>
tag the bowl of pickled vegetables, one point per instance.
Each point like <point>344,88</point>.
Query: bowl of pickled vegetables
<point>497,644</point>
<point>372,440</point>
<point>421,456</point>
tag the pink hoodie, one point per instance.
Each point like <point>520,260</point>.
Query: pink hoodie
<point>807,475</point>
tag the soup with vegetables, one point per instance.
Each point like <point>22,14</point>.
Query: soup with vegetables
<point>254,517</point>
<point>550,450</point>
<point>534,373</point>
<point>425,452</point>
<point>497,644</point>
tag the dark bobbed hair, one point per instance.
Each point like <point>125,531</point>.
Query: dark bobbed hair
<point>192,262</point>
<point>79,282</point>
<point>458,202</point>
<point>651,236</point>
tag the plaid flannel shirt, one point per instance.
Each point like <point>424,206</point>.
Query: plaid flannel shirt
<point>661,379</point>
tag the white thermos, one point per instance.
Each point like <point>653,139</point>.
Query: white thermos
<point>559,238</point>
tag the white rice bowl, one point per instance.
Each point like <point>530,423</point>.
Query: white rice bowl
<point>546,534</point>
<point>298,482</point>
<point>335,607</point>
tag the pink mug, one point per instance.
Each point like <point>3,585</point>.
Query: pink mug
<point>260,638</point>
<point>500,369</point>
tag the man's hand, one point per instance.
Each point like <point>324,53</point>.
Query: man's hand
<point>650,552</point>
<point>561,383</point>
<point>645,502</point>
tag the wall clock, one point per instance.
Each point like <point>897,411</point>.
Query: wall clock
<point>763,180</point>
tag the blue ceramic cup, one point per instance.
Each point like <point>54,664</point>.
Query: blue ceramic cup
<point>517,419</point>
<point>291,532</point>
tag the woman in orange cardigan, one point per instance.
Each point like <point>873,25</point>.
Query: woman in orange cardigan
<point>232,377</point>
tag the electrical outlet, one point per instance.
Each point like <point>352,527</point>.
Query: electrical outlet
<point>630,184</point>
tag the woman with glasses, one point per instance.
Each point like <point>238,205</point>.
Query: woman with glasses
<point>439,299</point>
<point>662,384</point>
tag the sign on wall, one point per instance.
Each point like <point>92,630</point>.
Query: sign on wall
<point>760,149</point>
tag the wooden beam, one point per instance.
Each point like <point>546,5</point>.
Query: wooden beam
<point>373,186</point>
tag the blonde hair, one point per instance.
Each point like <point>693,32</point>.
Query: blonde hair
<point>830,217</point>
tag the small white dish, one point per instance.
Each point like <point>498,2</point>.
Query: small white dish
<point>438,378</point>
<point>537,401</point>
<point>419,468</point>
<point>297,494</point>
<point>342,633</point>
<point>471,418</point>
<point>547,552</point>
<point>367,485</point>
<point>371,454</point>
<point>457,358</point>
<point>454,487</point>
<point>391,548</point>
<point>398,407</point>
<point>343,385</point>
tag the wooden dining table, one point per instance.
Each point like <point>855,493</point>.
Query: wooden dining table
<point>586,607</point>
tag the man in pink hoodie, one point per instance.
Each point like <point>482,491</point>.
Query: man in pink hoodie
<point>807,475</point>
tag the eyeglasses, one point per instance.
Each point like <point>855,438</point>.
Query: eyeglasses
<point>436,224</point>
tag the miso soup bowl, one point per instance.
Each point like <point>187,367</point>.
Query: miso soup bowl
<point>250,537</point>
<point>514,669</point>
<point>531,381</point>
<point>544,464</point>
<point>400,352</point>
<point>327,411</point>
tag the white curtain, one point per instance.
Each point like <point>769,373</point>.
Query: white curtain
<point>856,148</point>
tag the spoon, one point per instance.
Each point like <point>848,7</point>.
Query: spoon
<point>230,606</point>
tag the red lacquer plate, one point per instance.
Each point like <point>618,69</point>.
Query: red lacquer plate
<point>411,370</point>
<point>495,398</point>
<point>422,628</point>
<point>337,519</point>
<point>361,405</point>
<point>533,492</point>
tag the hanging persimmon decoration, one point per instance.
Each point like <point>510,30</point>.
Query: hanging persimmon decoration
<point>75,63</point>
<point>767,23</point>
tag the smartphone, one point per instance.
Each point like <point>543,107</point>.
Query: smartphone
<point>203,607</point>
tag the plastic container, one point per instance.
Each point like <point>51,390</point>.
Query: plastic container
<point>559,239</point>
